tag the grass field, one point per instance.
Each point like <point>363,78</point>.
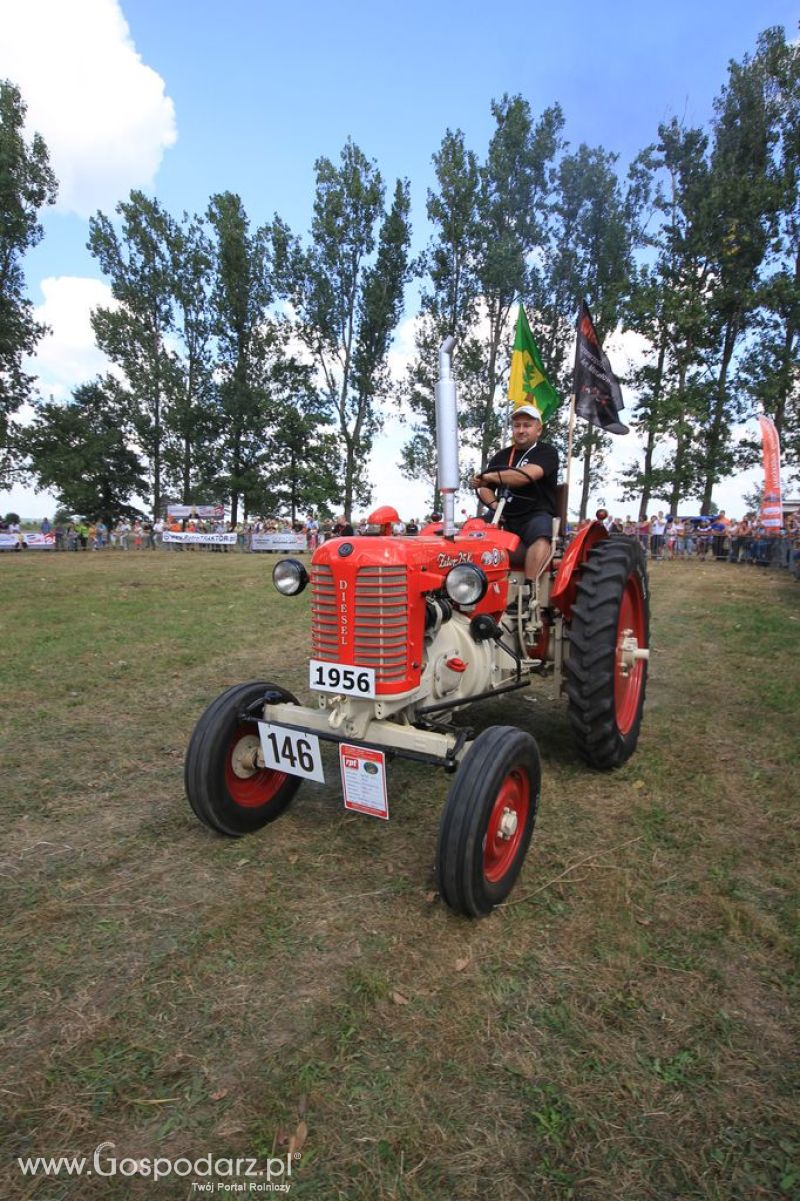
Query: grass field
<point>624,1028</point>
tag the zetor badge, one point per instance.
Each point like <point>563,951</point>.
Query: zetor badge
<point>406,634</point>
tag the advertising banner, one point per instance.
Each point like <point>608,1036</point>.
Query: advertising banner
<point>771,515</point>
<point>29,541</point>
<point>279,542</point>
<point>217,511</point>
<point>199,539</point>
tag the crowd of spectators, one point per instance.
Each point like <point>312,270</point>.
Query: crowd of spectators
<point>148,535</point>
<point>665,537</point>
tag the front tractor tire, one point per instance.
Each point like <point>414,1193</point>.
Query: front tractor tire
<point>226,788</point>
<point>606,670</point>
<point>488,820</point>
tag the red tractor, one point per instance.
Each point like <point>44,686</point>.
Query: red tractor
<point>408,631</point>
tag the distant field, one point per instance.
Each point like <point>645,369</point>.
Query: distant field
<point>624,1028</point>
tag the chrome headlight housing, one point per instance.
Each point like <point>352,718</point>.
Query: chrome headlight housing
<point>465,584</point>
<point>289,576</point>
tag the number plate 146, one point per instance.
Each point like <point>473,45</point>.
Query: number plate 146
<point>338,677</point>
<point>293,751</point>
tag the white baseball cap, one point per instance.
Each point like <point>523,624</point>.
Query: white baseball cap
<point>527,411</point>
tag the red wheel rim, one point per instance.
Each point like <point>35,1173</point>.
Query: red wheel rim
<point>252,791</point>
<point>628,680</point>
<point>510,809</point>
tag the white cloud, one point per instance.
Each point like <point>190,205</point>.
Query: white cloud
<point>103,113</point>
<point>68,356</point>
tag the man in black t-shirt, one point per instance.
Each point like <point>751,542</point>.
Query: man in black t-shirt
<point>342,528</point>
<point>528,470</point>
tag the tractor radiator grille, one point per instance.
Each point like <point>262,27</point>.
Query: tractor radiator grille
<point>379,618</point>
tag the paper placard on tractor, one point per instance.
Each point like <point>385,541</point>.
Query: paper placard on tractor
<point>364,780</point>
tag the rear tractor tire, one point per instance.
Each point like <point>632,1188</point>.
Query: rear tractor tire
<point>226,788</point>
<point>606,670</point>
<point>488,820</point>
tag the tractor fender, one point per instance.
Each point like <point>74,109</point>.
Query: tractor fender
<point>562,594</point>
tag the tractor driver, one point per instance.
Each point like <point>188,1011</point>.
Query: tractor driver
<point>528,471</point>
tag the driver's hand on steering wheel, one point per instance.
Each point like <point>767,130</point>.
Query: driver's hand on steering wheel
<point>477,481</point>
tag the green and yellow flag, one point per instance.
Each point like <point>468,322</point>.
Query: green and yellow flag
<point>528,383</point>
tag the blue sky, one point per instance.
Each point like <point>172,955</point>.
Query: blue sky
<point>186,99</point>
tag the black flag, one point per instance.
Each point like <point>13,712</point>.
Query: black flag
<point>598,397</point>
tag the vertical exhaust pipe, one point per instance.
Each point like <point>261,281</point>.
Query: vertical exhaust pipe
<point>448,479</point>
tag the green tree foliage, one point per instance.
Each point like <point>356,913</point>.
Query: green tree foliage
<point>448,305</point>
<point>26,185</point>
<point>667,307</point>
<point>489,222</point>
<point>302,450</point>
<point>769,372</point>
<point>208,313</point>
<point>595,228</point>
<point>744,198</point>
<point>82,450</point>
<point>248,343</point>
<point>347,293</point>
<point>136,333</point>
<point>192,416</point>
<point>530,223</point>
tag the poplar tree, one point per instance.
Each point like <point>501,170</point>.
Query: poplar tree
<point>346,291</point>
<point>448,305</point>
<point>136,333</point>
<point>770,370</point>
<point>595,230</point>
<point>247,343</point>
<point>668,307</point>
<point>192,417</point>
<point>743,204</point>
<point>489,220</point>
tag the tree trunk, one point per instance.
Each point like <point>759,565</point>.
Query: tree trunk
<point>717,416</point>
<point>647,469</point>
<point>349,473</point>
<point>187,469</point>
<point>236,473</point>
<point>157,457</point>
<point>680,455</point>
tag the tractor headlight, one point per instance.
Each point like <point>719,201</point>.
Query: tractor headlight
<point>289,576</point>
<point>465,584</point>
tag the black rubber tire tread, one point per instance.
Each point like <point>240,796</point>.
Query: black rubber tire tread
<point>459,855</point>
<point>591,664</point>
<point>204,766</point>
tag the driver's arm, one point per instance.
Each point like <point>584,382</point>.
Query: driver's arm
<point>487,495</point>
<point>507,477</point>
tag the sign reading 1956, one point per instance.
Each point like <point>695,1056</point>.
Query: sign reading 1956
<point>339,677</point>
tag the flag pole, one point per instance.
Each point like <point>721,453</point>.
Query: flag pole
<point>570,436</point>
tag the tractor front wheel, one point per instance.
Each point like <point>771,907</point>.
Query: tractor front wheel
<point>488,820</point>
<point>607,664</point>
<point>226,788</point>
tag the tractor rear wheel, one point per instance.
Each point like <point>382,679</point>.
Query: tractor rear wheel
<point>488,820</point>
<point>606,667</point>
<point>226,788</point>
